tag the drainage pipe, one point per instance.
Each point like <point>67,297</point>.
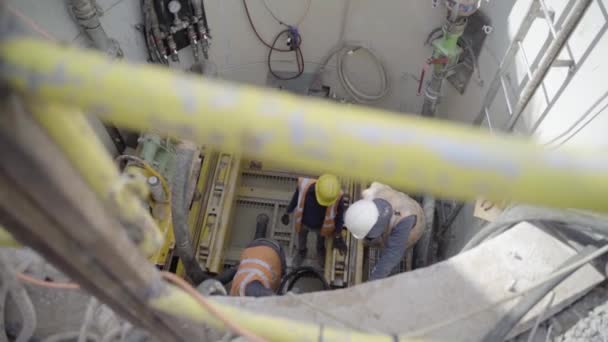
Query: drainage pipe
<point>179,212</point>
<point>85,14</point>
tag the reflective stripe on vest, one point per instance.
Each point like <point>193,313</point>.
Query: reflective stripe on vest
<point>251,273</point>
<point>329,224</point>
<point>258,263</point>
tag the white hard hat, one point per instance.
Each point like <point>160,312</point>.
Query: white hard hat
<point>368,218</point>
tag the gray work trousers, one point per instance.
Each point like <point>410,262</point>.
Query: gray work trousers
<point>303,240</point>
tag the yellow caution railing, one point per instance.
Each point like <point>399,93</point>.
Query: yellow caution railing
<point>405,151</point>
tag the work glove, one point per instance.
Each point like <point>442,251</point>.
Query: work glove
<point>340,245</point>
<point>285,219</point>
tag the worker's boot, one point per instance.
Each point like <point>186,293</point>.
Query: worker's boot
<point>298,259</point>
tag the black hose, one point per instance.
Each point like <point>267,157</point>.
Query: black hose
<point>291,278</point>
<point>179,211</point>
<point>529,300</point>
<point>227,275</point>
<point>296,49</point>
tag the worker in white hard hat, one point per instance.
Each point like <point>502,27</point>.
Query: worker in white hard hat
<point>319,208</point>
<point>387,219</point>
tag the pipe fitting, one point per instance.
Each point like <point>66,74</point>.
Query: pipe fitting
<point>85,13</point>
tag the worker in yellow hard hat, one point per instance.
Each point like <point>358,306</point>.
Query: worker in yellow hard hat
<point>319,208</point>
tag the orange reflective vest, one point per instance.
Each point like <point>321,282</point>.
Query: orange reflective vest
<point>329,224</point>
<point>261,263</point>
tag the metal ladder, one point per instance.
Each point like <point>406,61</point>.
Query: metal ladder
<point>536,71</point>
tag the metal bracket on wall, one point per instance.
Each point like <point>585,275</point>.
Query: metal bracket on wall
<point>218,212</point>
<point>471,41</point>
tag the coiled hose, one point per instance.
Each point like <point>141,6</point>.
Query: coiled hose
<point>355,93</point>
<point>179,212</point>
<point>290,279</point>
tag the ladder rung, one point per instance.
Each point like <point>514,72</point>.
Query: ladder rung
<point>503,83</point>
<point>563,63</point>
<point>488,119</point>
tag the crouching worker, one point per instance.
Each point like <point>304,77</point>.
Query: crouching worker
<point>260,270</point>
<point>386,219</point>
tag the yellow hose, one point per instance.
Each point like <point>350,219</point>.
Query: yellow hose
<point>405,151</point>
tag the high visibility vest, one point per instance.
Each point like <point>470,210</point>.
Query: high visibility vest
<point>329,223</point>
<point>261,263</point>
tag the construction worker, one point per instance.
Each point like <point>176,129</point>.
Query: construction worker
<point>319,208</point>
<point>260,270</point>
<point>387,219</point>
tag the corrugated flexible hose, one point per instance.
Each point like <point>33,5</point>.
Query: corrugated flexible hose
<point>179,211</point>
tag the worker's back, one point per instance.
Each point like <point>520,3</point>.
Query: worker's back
<point>402,204</point>
<point>262,261</point>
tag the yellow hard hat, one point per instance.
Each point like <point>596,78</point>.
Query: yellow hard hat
<point>327,190</point>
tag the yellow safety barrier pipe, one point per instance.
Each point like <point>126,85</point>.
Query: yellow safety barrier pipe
<point>406,151</point>
<point>74,135</point>
<point>7,240</point>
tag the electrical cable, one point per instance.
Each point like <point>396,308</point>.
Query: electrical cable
<point>282,22</point>
<point>431,37</point>
<point>257,33</point>
<point>469,47</point>
<point>541,317</point>
<point>151,45</point>
<point>579,120</point>
<point>341,49</point>
<point>297,50</point>
<point>210,307</point>
<point>582,126</point>
<point>31,23</point>
<point>45,283</point>
<point>295,40</point>
<point>328,314</point>
<point>351,89</point>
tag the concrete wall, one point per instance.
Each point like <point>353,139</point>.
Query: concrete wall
<point>394,29</point>
<point>586,91</point>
